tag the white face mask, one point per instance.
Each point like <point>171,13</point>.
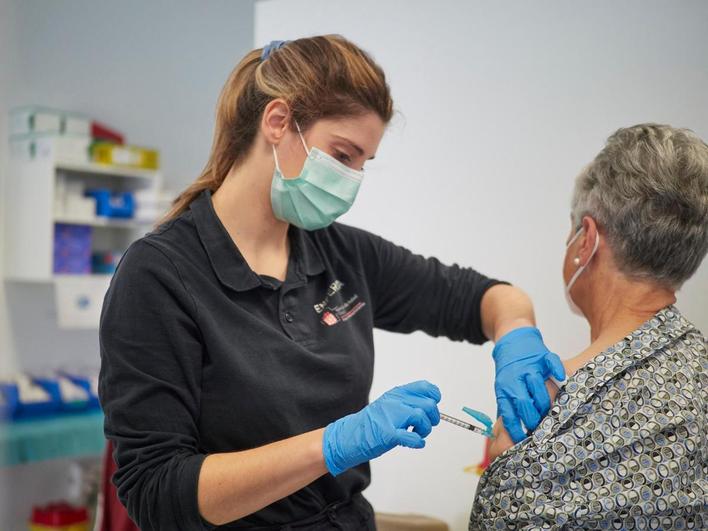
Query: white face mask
<point>569,299</point>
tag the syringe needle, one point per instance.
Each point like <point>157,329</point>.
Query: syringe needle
<point>462,424</point>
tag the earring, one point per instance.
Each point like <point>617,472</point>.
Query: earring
<point>576,261</point>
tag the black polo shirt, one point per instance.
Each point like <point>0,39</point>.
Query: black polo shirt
<point>200,355</point>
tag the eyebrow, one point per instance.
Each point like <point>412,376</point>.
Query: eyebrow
<point>357,148</point>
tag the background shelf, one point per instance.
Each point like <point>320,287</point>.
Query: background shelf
<point>105,222</point>
<point>66,436</point>
<point>37,186</point>
<point>94,168</point>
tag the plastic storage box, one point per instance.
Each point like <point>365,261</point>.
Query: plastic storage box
<point>105,262</point>
<point>38,119</point>
<point>122,155</point>
<point>112,204</point>
<point>26,399</point>
<point>72,248</point>
<point>59,517</point>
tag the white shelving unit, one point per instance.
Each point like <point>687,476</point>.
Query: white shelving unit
<point>31,218</point>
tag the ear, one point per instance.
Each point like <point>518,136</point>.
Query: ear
<point>275,121</point>
<point>587,240</point>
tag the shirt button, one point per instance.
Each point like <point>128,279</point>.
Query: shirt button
<point>289,317</point>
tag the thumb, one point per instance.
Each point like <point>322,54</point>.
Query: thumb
<point>409,439</point>
<point>555,365</point>
<point>511,421</point>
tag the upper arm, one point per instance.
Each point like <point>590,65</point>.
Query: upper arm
<point>411,292</point>
<point>502,440</point>
<point>150,388</point>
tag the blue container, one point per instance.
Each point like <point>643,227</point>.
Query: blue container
<point>8,401</point>
<point>85,383</point>
<point>16,409</point>
<point>51,385</point>
<point>105,262</point>
<point>72,248</point>
<point>112,204</point>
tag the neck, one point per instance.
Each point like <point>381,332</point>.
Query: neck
<point>619,307</point>
<point>243,205</point>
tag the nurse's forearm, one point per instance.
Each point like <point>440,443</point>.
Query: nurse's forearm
<point>234,485</point>
<point>505,308</point>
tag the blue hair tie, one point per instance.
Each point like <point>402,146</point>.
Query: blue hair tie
<point>271,47</point>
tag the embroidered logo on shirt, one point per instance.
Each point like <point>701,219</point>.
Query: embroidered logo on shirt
<point>333,313</point>
<point>329,319</point>
<point>334,288</point>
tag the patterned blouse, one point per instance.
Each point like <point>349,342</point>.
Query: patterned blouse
<point>625,445</point>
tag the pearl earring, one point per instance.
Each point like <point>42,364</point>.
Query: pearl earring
<point>576,261</point>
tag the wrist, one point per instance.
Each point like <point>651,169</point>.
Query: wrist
<point>517,342</point>
<point>329,450</point>
<point>316,451</point>
<point>503,328</point>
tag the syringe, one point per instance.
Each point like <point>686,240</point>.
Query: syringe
<point>465,425</point>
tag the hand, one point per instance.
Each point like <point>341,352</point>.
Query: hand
<point>382,425</point>
<point>523,363</point>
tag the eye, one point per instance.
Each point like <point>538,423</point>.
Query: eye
<point>342,157</point>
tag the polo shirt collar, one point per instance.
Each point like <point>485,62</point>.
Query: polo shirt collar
<point>228,263</point>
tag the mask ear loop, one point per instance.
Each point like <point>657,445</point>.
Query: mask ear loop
<point>275,157</point>
<point>575,237</point>
<point>302,138</point>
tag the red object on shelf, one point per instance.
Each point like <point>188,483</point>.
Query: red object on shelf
<point>59,514</point>
<point>103,132</point>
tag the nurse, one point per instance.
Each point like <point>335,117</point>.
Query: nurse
<point>237,338</point>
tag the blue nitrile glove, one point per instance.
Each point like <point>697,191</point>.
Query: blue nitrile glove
<point>523,363</point>
<point>382,425</point>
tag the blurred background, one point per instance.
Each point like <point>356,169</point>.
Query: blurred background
<point>499,105</point>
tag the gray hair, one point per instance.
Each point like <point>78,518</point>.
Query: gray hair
<point>648,190</point>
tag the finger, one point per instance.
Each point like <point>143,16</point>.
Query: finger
<point>428,405</point>
<point>423,388</point>
<point>420,422</point>
<point>555,366</point>
<point>528,413</point>
<point>512,423</point>
<point>409,439</point>
<point>539,393</point>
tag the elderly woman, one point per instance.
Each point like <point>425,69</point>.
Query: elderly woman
<point>625,445</point>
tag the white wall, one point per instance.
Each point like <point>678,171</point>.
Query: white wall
<point>501,105</point>
<point>7,67</point>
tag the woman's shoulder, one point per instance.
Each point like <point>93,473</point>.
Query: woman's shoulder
<point>164,247</point>
<point>343,234</point>
<point>173,236</point>
<point>346,244</point>
<point>142,261</point>
<point>678,339</point>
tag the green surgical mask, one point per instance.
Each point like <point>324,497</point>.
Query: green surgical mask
<point>324,190</point>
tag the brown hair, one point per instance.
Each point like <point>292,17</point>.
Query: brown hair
<point>319,77</point>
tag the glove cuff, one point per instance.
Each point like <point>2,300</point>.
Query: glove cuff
<point>505,346</point>
<point>329,449</point>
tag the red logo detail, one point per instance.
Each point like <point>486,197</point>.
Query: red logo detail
<point>329,319</point>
